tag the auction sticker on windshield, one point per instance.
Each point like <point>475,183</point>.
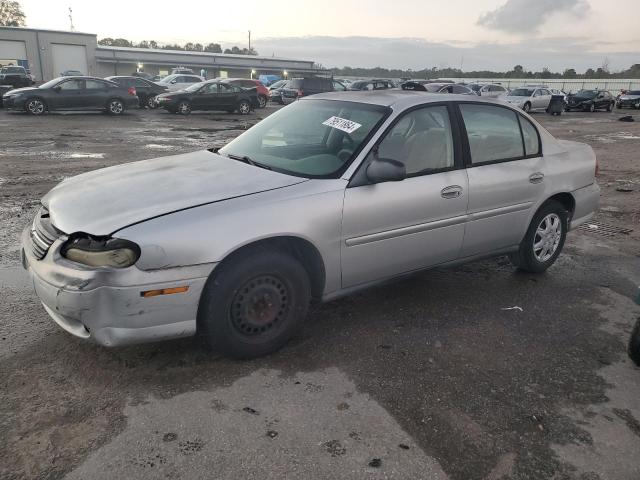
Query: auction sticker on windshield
<point>342,124</point>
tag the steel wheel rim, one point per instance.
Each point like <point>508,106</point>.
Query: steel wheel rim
<point>547,237</point>
<point>259,307</point>
<point>244,107</point>
<point>35,106</point>
<point>115,107</point>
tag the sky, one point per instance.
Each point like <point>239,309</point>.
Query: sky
<point>474,34</point>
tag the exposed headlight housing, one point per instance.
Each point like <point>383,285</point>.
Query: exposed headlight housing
<point>101,252</point>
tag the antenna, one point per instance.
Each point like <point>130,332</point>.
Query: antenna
<point>71,19</point>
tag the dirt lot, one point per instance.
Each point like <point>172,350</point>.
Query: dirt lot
<point>434,377</point>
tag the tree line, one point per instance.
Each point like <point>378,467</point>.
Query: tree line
<point>189,47</point>
<point>516,72</point>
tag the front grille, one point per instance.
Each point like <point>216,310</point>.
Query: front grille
<point>42,234</point>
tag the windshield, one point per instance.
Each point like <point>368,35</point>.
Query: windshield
<point>521,92</point>
<point>587,93</point>
<point>167,79</point>
<point>194,87</point>
<point>433,87</point>
<point>51,83</point>
<point>309,138</point>
<point>358,85</point>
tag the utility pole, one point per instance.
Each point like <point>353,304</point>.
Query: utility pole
<point>249,41</point>
<point>71,19</point>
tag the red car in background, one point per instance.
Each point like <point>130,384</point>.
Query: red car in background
<point>263,92</point>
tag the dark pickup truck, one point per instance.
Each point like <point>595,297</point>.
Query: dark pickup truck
<point>15,76</point>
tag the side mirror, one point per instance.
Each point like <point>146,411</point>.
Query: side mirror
<point>57,89</point>
<point>382,170</point>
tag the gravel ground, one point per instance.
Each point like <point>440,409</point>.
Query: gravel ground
<point>434,377</point>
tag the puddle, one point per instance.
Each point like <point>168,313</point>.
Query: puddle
<point>157,146</point>
<point>86,155</point>
<point>613,137</point>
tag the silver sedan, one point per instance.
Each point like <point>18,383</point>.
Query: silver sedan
<point>332,194</point>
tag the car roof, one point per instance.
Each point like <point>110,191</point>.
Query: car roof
<point>396,98</point>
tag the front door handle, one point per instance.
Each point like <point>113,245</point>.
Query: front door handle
<point>453,191</point>
<point>536,177</point>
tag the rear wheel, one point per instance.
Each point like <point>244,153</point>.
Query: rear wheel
<point>262,101</point>
<point>184,107</point>
<point>254,303</point>
<point>609,107</point>
<point>592,108</point>
<point>151,102</point>
<point>244,107</point>
<point>527,107</point>
<point>35,106</point>
<point>544,239</point>
<point>115,107</point>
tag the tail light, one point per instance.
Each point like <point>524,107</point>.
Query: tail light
<point>300,92</point>
<point>132,91</point>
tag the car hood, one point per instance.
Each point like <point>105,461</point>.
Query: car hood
<point>514,99</point>
<point>106,200</point>
<point>23,90</point>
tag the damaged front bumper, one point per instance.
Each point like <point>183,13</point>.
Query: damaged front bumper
<point>107,306</point>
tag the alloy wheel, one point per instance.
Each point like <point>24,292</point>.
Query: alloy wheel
<point>244,108</point>
<point>547,237</point>
<point>184,108</point>
<point>116,107</point>
<point>35,106</point>
<point>262,101</point>
<point>151,102</point>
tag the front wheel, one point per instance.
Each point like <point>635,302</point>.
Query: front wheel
<point>592,108</point>
<point>544,239</point>
<point>254,303</point>
<point>244,107</point>
<point>35,106</point>
<point>609,107</point>
<point>115,107</point>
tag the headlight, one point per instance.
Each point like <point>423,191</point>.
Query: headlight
<point>96,252</point>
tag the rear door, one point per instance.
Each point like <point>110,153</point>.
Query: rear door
<point>95,94</point>
<point>506,176</point>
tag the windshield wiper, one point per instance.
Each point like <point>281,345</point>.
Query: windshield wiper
<point>248,160</point>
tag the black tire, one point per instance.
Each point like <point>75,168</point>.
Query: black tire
<point>115,106</point>
<point>592,108</point>
<point>526,257</point>
<point>184,107</point>
<point>150,102</point>
<point>634,344</point>
<point>35,106</point>
<point>244,107</point>
<point>253,303</point>
<point>526,107</point>
<point>609,107</point>
<point>262,101</point>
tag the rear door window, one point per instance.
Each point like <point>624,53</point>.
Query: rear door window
<point>95,85</point>
<point>493,133</point>
<point>72,85</point>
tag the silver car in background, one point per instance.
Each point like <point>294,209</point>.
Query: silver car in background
<point>334,193</point>
<point>179,81</point>
<point>529,99</point>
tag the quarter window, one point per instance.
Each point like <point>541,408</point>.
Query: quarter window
<point>422,140</point>
<point>530,135</point>
<point>94,85</point>
<point>493,132</point>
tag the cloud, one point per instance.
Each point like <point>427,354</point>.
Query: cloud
<point>556,53</point>
<point>517,16</point>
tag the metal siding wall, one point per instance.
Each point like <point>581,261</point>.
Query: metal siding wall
<point>69,57</point>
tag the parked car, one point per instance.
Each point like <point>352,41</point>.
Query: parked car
<point>529,98</point>
<point>371,85</point>
<point>590,101</point>
<point>455,89</point>
<point>145,75</point>
<point>430,87</point>
<point>15,76</point>
<point>330,195</point>
<point>263,92</point>
<point>210,95</point>
<point>302,87</point>
<point>72,93</point>
<point>145,89</point>
<point>275,91</point>
<point>630,99</point>
<point>345,81</point>
<point>179,81</point>
<point>181,70</point>
<point>490,90</point>
<point>71,73</point>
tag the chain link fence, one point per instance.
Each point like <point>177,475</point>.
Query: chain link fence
<point>614,85</point>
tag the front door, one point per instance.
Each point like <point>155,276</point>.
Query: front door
<point>206,98</point>
<point>68,95</point>
<point>397,227</point>
<point>506,177</point>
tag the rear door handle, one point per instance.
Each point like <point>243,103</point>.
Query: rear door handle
<point>537,177</point>
<point>453,191</point>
